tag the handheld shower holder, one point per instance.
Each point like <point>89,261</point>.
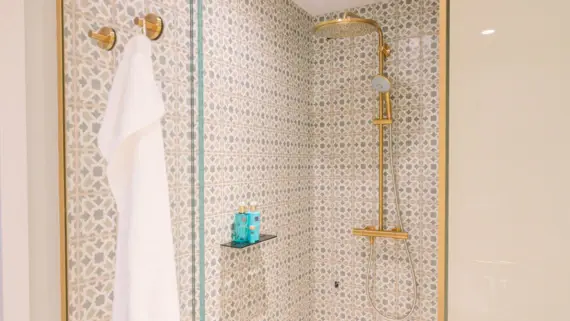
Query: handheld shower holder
<point>382,121</point>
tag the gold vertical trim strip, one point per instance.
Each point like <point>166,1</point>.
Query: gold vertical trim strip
<point>61,174</point>
<point>442,196</point>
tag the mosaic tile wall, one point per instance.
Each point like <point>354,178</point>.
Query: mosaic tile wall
<point>257,147</point>
<point>345,164</point>
<point>91,210</point>
<point>287,125</point>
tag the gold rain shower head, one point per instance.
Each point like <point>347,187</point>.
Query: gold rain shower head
<point>348,26</point>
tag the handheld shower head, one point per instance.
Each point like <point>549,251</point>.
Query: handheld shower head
<point>381,84</point>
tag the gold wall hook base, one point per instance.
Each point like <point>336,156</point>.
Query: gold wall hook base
<point>153,24</point>
<point>106,37</point>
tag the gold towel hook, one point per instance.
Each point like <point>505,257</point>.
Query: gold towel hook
<point>106,37</point>
<point>153,24</point>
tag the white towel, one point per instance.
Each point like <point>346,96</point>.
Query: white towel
<point>131,142</point>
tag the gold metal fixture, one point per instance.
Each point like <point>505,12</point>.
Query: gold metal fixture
<point>106,37</point>
<point>153,24</point>
<point>395,234</point>
<point>352,25</point>
<point>371,238</point>
<point>443,164</point>
<point>63,255</point>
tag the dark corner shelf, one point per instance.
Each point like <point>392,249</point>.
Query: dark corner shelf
<point>262,238</point>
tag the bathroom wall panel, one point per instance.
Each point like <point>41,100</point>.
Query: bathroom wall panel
<point>257,85</point>
<point>91,211</point>
<point>508,166</point>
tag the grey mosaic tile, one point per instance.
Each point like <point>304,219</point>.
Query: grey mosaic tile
<point>430,69</point>
<point>430,46</point>
<point>428,308</point>
<point>410,6</point>
<point>410,48</point>
<point>100,10</point>
<point>93,83</point>
<point>410,72</point>
<point>386,302</point>
<point>74,312</point>
<point>126,11</point>
<point>390,27</point>
<point>96,256</point>
<point>95,299</point>
<point>430,21</point>
<point>96,214</point>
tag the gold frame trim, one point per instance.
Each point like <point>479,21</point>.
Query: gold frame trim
<point>442,184</point>
<point>61,161</point>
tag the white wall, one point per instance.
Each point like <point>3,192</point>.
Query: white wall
<point>28,162</point>
<point>13,176</point>
<point>509,210</point>
<point>42,130</point>
<point>317,7</point>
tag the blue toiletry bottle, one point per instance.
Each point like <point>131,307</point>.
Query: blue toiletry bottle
<point>254,223</point>
<point>241,232</point>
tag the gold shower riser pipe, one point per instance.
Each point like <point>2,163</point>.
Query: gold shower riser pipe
<point>380,52</point>
<point>381,121</point>
<point>380,134</point>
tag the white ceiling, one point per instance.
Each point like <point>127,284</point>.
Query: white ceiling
<point>317,7</point>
